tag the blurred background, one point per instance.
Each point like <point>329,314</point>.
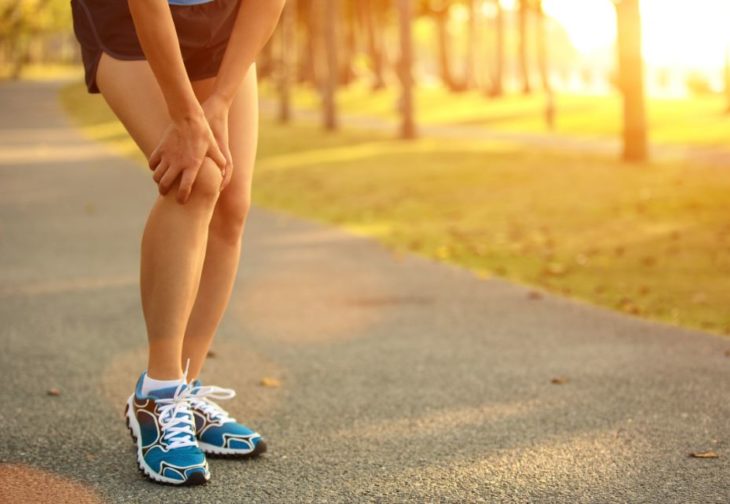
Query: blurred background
<point>579,146</point>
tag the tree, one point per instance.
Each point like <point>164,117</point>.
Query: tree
<point>286,65</point>
<point>524,12</point>
<point>631,80</point>
<point>470,74</point>
<point>498,75</point>
<point>329,82</point>
<point>440,12</point>
<point>405,63</point>
<point>727,77</point>
<point>368,12</point>
<point>542,63</point>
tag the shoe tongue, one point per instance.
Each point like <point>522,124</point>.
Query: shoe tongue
<point>165,393</point>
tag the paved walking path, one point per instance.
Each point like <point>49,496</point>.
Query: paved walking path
<point>402,380</point>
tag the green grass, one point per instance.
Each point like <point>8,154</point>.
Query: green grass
<point>697,121</point>
<point>651,240</point>
<point>45,71</point>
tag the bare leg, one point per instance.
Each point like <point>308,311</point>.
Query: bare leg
<point>226,227</point>
<point>174,240</point>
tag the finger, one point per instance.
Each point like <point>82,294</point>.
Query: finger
<point>227,176</point>
<point>214,153</point>
<point>155,158</point>
<point>228,170</point>
<point>168,179</point>
<point>186,185</point>
<point>160,171</point>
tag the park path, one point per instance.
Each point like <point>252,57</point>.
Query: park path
<point>546,142</point>
<point>401,379</point>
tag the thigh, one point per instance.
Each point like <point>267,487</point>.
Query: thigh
<point>135,97</point>
<point>243,124</point>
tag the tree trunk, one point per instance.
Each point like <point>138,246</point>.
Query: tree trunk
<point>286,64</point>
<point>470,80</point>
<point>347,73</point>
<point>631,78</point>
<point>405,11</point>
<point>498,77</point>
<point>367,14</point>
<point>329,84</point>
<point>542,62</point>
<point>727,78</point>
<point>522,28</point>
<point>307,56</point>
<point>442,35</point>
<point>542,47</point>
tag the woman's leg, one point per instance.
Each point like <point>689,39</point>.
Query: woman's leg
<point>175,236</point>
<point>226,227</point>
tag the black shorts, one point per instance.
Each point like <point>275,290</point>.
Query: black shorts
<point>107,26</point>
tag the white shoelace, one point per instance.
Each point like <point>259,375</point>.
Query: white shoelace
<point>177,426</point>
<point>199,398</point>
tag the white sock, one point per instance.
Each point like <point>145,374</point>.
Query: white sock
<point>150,384</point>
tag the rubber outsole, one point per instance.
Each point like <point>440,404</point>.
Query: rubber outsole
<point>194,479</point>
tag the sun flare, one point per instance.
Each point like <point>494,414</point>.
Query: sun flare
<point>676,34</point>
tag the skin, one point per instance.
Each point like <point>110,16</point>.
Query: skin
<point>192,239</point>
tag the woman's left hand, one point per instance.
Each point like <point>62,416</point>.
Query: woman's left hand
<point>216,112</point>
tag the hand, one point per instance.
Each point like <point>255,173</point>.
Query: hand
<point>182,149</point>
<point>216,112</point>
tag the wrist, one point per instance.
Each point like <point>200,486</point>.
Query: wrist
<point>221,98</point>
<point>189,114</point>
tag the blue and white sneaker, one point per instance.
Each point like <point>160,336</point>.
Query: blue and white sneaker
<point>217,432</point>
<point>163,429</point>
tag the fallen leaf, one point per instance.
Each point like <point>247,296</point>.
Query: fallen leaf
<point>704,454</point>
<point>559,380</point>
<point>556,269</point>
<point>534,295</point>
<point>270,382</point>
<point>648,261</point>
<point>628,306</point>
<point>212,354</point>
<point>54,392</point>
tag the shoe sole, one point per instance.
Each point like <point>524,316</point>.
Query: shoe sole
<point>194,480</point>
<point>218,452</point>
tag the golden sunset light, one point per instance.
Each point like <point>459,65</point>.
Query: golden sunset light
<point>674,36</point>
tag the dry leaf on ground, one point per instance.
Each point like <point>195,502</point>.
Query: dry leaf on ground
<point>270,382</point>
<point>704,454</point>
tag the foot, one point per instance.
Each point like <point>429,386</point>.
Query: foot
<point>217,432</point>
<point>163,428</point>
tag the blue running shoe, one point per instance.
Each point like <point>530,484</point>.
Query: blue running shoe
<point>218,433</point>
<point>163,429</point>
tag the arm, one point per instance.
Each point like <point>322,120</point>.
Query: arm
<point>188,139</point>
<point>254,25</point>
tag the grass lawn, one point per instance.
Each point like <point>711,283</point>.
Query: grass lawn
<point>697,121</point>
<point>650,240</point>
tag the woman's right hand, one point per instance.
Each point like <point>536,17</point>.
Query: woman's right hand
<point>183,147</point>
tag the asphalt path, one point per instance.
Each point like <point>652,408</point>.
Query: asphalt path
<point>400,379</point>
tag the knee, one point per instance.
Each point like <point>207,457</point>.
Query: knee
<point>230,216</point>
<point>206,187</point>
